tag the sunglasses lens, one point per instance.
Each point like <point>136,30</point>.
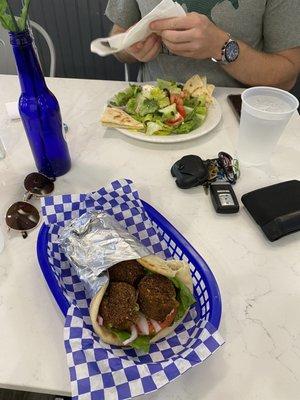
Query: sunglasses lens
<point>22,216</point>
<point>38,184</point>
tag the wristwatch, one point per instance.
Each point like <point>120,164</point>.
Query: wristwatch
<point>229,53</point>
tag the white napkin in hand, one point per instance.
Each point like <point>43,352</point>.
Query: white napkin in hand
<point>140,31</point>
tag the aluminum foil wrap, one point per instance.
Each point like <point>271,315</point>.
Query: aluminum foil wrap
<point>93,243</point>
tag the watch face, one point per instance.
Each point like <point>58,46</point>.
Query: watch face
<point>232,51</point>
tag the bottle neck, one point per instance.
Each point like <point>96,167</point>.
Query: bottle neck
<point>30,73</point>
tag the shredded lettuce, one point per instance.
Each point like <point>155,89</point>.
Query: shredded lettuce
<point>185,297</point>
<point>141,343</point>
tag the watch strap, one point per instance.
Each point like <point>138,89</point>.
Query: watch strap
<point>223,59</point>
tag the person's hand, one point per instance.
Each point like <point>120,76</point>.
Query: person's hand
<point>146,50</point>
<point>193,35</point>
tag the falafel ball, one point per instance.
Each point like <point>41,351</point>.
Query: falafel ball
<point>157,297</point>
<point>127,271</point>
<point>119,308</point>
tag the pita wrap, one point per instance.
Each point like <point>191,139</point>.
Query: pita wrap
<point>117,118</point>
<point>170,269</point>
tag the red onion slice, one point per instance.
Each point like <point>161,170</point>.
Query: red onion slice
<point>100,320</point>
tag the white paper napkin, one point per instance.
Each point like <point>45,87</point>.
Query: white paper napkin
<point>140,31</point>
<point>12,110</point>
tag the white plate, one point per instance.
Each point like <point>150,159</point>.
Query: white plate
<point>213,118</point>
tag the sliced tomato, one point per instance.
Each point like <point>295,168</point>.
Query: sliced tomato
<point>164,324</point>
<point>181,110</point>
<point>175,121</point>
<point>178,100</point>
<point>172,98</point>
<point>169,319</point>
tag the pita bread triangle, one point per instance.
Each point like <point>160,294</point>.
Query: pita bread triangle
<point>116,118</point>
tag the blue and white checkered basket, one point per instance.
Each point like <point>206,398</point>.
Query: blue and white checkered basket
<point>100,371</point>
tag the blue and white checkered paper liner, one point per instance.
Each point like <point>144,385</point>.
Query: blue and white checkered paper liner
<point>100,371</point>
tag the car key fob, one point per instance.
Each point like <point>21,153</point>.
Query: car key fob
<point>223,198</point>
<point>189,172</point>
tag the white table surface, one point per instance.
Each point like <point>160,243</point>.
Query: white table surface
<point>259,280</point>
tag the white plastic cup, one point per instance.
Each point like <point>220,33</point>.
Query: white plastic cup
<point>265,113</point>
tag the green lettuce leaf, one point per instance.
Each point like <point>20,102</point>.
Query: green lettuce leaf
<point>171,86</point>
<point>158,128</point>
<point>195,101</point>
<point>160,96</point>
<point>185,297</point>
<point>202,118</point>
<point>168,112</point>
<point>188,125</point>
<point>202,110</point>
<point>188,110</point>
<point>141,343</point>
<point>191,102</point>
<point>191,115</point>
<point>131,105</point>
<point>149,118</point>
<point>121,98</point>
<point>148,106</point>
<point>202,100</point>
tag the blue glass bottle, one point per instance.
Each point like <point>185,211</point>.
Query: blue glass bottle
<point>39,110</point>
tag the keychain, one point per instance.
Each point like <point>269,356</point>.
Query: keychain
<point>191,170</point>
<point>223,168</point>
<point>217,174</point>
<point>223,173</point>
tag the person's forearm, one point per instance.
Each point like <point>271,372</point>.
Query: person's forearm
<point>255,68</point>
<point>196,36</point>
